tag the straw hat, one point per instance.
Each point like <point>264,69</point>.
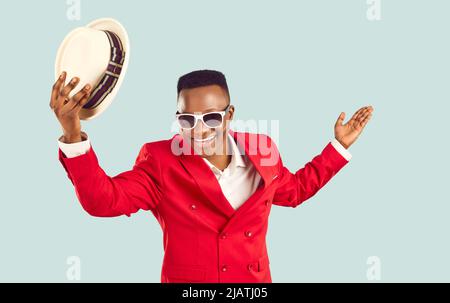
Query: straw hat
<point>98,54</point>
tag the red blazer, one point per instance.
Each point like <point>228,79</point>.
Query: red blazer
<point>205,239</point>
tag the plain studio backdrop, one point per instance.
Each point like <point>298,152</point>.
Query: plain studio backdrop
<point>297,62</point>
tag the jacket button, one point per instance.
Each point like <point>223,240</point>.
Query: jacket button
<point>250,267</point>
<point>267,202</point>
<point>248,234</point>
<point>223,236</point>
<point>193,207</point>
<point>224,268</point>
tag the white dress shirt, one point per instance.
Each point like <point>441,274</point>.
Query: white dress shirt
<point>238,181</point>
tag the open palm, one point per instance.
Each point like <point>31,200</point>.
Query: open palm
<point>347,133</point>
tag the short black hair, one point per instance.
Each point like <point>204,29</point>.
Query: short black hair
<point>201,78</point>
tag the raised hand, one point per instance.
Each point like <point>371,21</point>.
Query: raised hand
<point>347,133</point>
<point>67,109</point>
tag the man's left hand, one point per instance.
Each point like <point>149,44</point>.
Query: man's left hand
<point>347,133</point>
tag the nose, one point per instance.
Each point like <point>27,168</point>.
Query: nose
<point>200,130</point>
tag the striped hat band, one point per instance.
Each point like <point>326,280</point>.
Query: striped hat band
<point>110,77</point>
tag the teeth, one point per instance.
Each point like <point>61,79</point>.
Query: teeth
<point>204,140</point>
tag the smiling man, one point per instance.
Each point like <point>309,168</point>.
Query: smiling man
<point>210,188</point>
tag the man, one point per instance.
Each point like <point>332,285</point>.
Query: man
<point>210,188</point>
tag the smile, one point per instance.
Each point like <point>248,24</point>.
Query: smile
<point>205,140</point>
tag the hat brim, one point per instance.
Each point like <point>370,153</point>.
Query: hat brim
<point>117,28</point>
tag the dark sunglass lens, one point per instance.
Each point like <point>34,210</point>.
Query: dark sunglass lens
<point>213,120</point>
<point>186,121</point>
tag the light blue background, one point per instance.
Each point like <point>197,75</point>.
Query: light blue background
<point>299,62</point>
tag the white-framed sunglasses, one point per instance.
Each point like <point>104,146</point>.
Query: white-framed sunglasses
<point>211,120</point>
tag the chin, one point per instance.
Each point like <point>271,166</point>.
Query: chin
<point>204,149</point>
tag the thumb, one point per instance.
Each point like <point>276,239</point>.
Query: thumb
<point>340,119</point>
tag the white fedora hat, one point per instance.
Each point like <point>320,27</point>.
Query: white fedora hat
<point>98,54</point>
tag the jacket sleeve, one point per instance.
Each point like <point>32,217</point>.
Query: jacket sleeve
<point>295,188</point>
<point>104,196</point>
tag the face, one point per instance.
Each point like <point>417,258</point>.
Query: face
<point>212,98</point>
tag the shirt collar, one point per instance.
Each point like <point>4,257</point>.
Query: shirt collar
<point>237,157</point>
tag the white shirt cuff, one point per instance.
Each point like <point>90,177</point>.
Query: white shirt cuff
<point>342,150</point>
<point>72,150</point>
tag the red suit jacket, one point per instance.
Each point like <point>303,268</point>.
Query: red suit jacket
<point>205,239</point>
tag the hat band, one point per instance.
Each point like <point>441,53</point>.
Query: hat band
<point>111,75</point>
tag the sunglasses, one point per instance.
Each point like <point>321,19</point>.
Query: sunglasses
<point>211,120</point>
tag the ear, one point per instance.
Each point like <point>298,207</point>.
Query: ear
<point>231,111</point>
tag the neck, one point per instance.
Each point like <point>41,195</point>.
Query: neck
<point>222,159</point>
<point>219,161</point>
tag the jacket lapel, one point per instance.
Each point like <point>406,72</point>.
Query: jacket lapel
<point>205,178</point>
<point>251,143</point>
<point>196,167</point>
<point>267,172</point>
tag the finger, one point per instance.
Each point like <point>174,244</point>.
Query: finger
<point>368,111</point>
<point>340,119</point>
<point>76,106</point>
<point>78,96</point>
<point>366,120</point>
<point>362,114</point>
<point>357,113</point>
<point>83,101</point>
<point>56,89</point>
<point>69,87</point>
<point>360,121</point>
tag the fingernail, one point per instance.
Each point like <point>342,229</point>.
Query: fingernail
<point>62,75</point>
<point>87,87</point>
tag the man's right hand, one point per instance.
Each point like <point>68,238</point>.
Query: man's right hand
<point>67,109</point>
